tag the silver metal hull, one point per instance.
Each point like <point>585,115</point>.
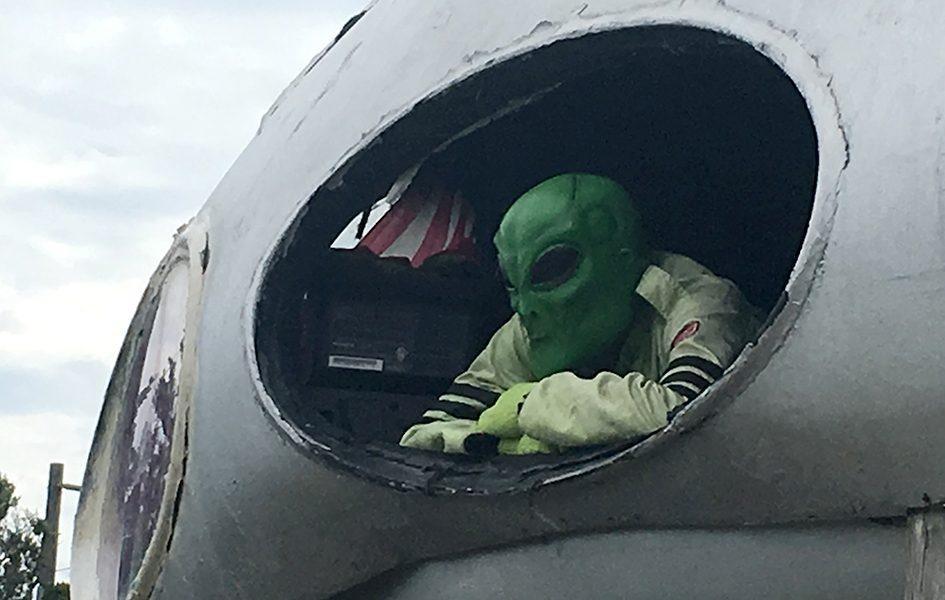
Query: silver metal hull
<point>834,418</point>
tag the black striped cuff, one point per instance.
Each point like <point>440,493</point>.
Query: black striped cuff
<point>708,367</point>
<point>683,390</point>
<point>457,409</point>
<point>469,391</point>
<point>691,377</point>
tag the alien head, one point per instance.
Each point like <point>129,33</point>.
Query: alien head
<point>572,251</point>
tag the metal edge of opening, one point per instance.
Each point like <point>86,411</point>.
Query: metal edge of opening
<point>784,52</point>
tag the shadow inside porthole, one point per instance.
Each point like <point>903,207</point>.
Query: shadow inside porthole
<point>383,289</point>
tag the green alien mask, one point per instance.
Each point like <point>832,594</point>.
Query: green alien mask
<point>572,251</point>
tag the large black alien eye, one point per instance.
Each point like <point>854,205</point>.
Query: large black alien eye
<point>554,267</point>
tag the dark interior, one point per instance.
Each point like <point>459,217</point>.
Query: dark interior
<point>712,140</point>
<point>439,316</point>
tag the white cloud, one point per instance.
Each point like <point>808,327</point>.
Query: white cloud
<point>67,255</point>
<point>171,31</point>
<point>116,121</point>
<point>82,320</point>
<point>22,168</point>
<point>95,33</point>
<point>20,172</point>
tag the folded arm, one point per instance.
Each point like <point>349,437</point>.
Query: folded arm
<point>566,410</point>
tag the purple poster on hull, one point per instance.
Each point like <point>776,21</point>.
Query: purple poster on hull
<point>145,436</point>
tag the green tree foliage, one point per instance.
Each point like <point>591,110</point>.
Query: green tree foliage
<point>20,534</point>
<point>7,499</point>
<point>60,591</point>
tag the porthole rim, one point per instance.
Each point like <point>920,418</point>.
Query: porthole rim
<point>784,52</point>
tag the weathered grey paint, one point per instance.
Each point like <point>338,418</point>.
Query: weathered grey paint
<point>837,561</point>
<point>840,423</point>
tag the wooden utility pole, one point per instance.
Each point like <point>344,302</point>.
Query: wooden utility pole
<point>925,572</point>
<point>46,567</point>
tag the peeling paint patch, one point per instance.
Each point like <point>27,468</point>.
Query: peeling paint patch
<point>542,26</point>
<point>179,492</point>
<point>308,68</point>
<point>331,83</point>
<point>205,254</point>
<point>142,404</point>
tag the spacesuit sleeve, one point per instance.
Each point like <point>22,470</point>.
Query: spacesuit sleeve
<point>453,416</point>
<point>566,410</point>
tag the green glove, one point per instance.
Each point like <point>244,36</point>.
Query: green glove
<point>525,445</point>
<point>501,420</point>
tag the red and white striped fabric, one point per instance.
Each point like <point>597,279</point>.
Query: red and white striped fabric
<point>424,222</point>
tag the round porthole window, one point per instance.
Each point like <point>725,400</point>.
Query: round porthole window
<point>385,287</point>
<point>136,462</point>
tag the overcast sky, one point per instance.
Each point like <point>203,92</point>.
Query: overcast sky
<point>117,119</point>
